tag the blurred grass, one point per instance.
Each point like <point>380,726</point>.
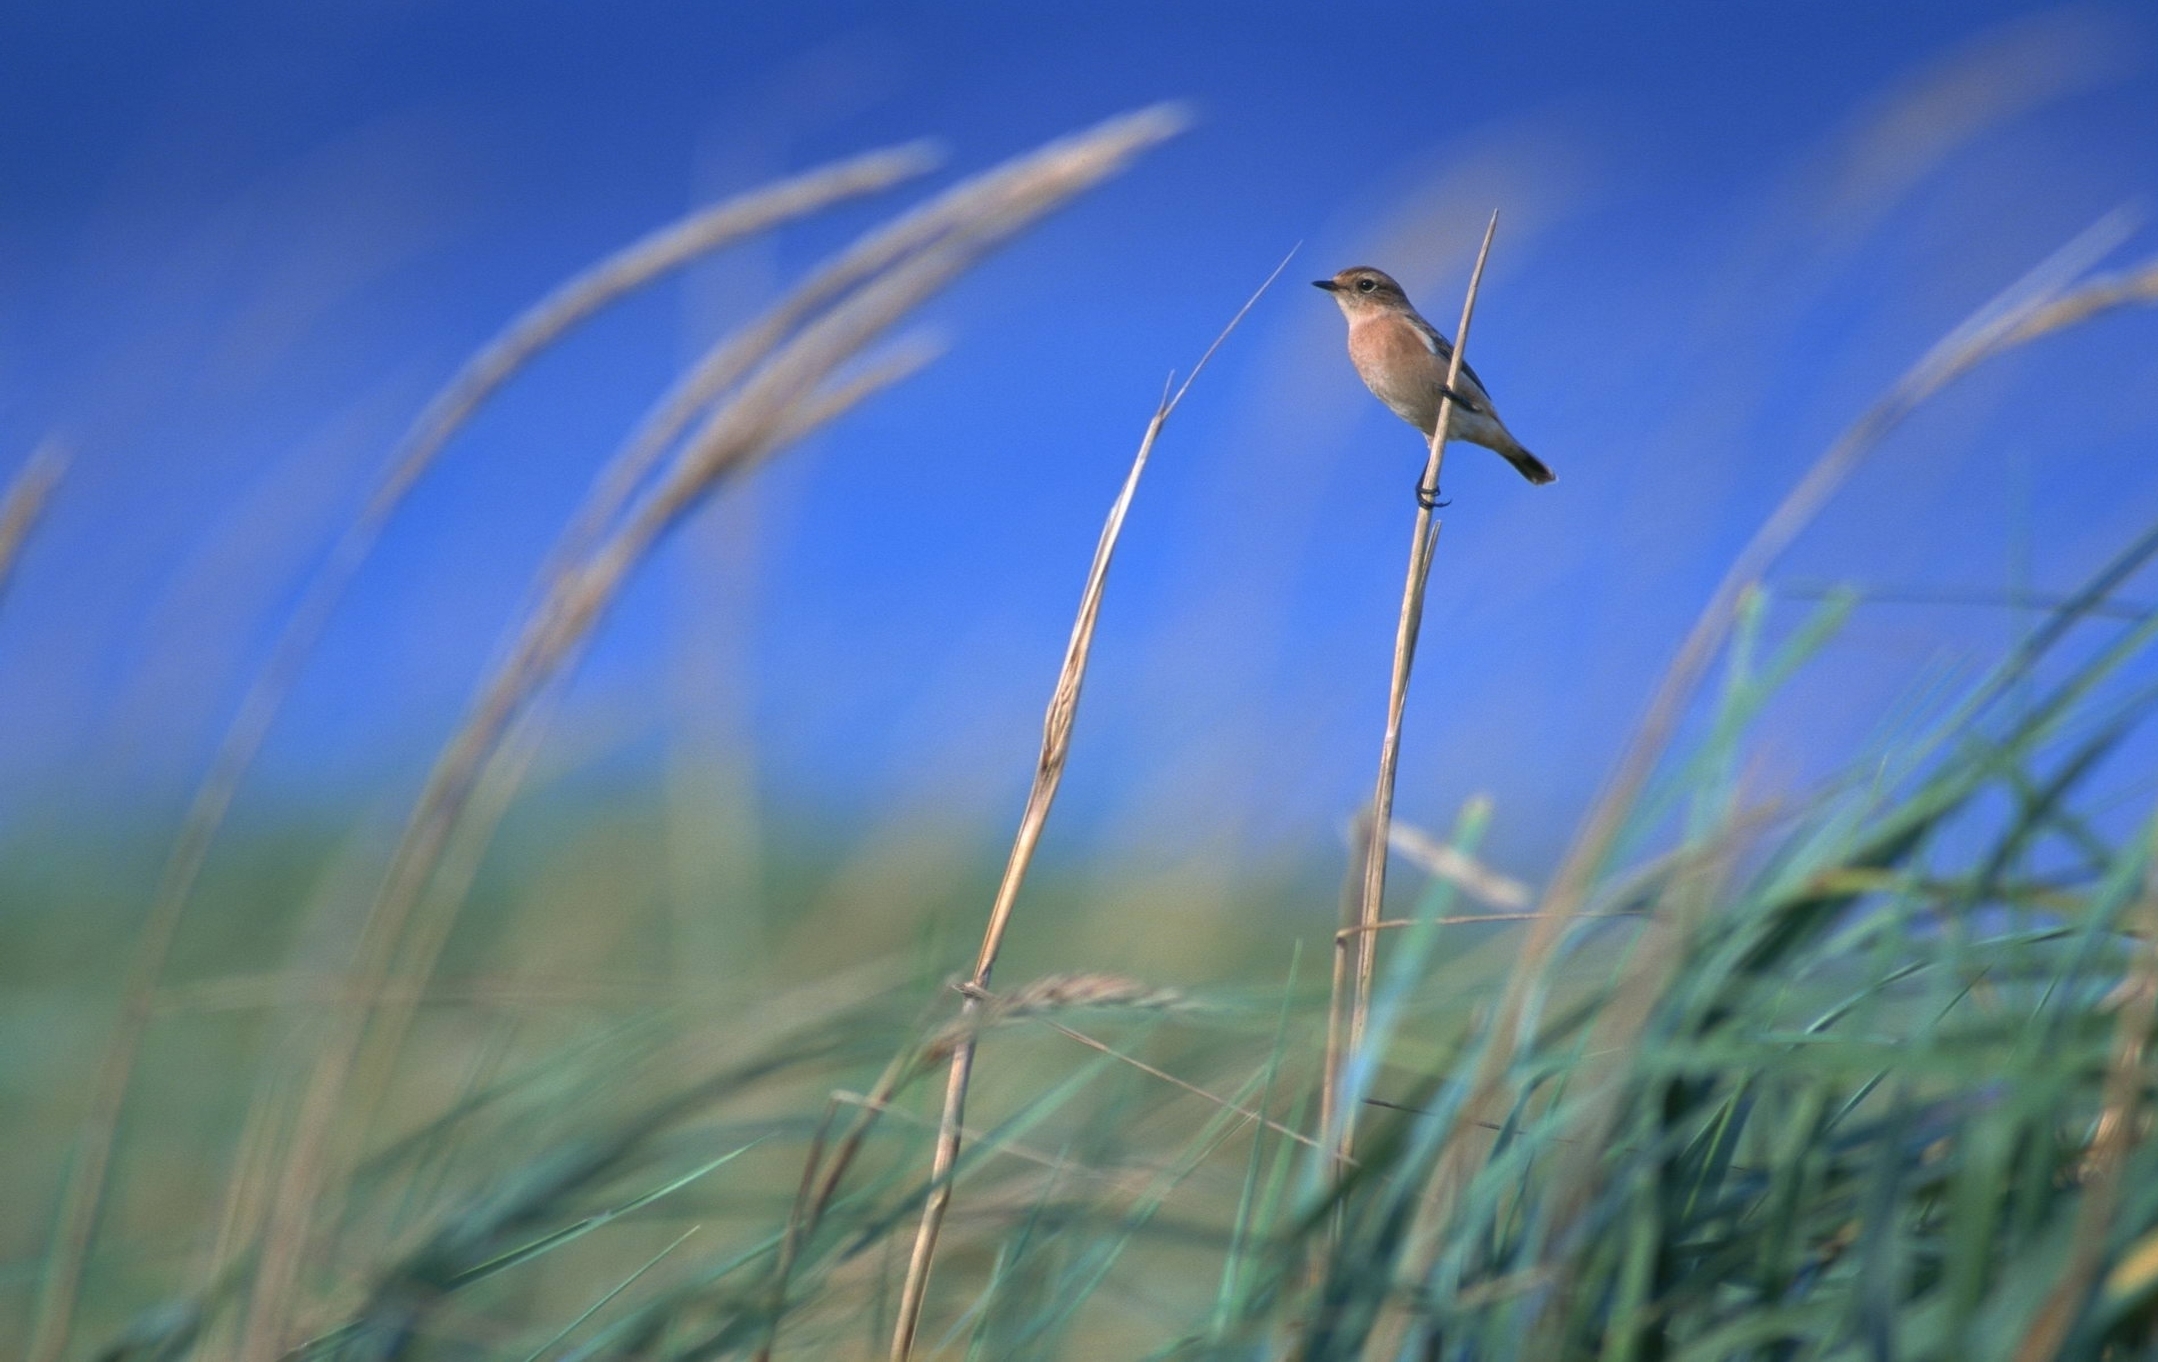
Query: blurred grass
<point>1857,1114</point>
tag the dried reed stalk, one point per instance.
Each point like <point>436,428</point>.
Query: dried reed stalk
<point>821,1179</point>
<point>2033,308</point>
<point>2119,1127</point>
<point>1347,936</point>
<point>1151,1071</point>
<point>1379,835</point>
<point>25,502</point>
<point>539,327</point>
<point>1467,874</point>
<point>1048,775</point>
<point>733,438</point>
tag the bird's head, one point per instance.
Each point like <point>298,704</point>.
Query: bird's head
<point>1364,290</point>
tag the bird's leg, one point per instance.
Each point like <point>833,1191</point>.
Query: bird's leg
<point>1429,500</point>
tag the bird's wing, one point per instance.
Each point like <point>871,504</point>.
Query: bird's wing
<point>1443,348</point>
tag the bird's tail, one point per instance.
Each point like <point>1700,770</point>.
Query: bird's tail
<point>1531,467</point>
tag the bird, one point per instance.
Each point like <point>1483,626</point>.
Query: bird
<point>1403,360</point>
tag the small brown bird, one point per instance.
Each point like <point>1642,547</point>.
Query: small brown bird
<point>1403,360</point>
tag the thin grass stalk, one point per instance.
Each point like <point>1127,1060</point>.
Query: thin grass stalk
<point>1048,776</point>
<point>617,1289</point>
<point>1395,924</point>
<point>24,503</point>
<point>2025,312</point>
<point>1243,1226</point>
<point>1372,898</point>
<point>790,1243</point>
<point>446,413</point>
<point>821,1177</point>
<point>732,439</point>
<point>1471,876</point>
<point>993,1136</point>
<point>2120,1124</point>
<point>1345,945</point>
<point>1249,1114</point>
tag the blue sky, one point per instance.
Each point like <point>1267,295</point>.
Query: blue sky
<point>239,243</point>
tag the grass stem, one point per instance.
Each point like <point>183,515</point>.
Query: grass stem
<point>1372,895</point>
<point>1048,776</point>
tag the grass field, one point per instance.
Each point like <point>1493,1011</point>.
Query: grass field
<point>1854,1069</point>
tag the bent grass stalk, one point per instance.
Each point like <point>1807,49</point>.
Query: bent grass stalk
<point>1048,776</point>
<point>994,191</point>
<point>968,218</point>
<point>732,439</point>
<point>481,376</point>
<point>1337,1125</point>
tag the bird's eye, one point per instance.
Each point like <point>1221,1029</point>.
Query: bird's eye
<point>1366,285</point>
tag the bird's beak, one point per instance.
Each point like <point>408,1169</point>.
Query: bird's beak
<point>1329,285</point>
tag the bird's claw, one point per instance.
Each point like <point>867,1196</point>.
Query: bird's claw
<point>1429,500</point>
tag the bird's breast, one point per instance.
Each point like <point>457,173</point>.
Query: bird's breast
<point>1391,357</point>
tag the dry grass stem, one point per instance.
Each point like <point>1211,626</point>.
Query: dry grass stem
<point>1347,940</point>
<point>24,502</point>
<point>540,326</point>
<point>1371,898</point>
<point>1048,774</point>
<point>821,1179</point>
<point>733,438</point>
<point>2120,1124</point>
<point>1471,876</point>
<point>1008,1148</point>
<point>1173,1081</point>
<point>1394,924</point>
